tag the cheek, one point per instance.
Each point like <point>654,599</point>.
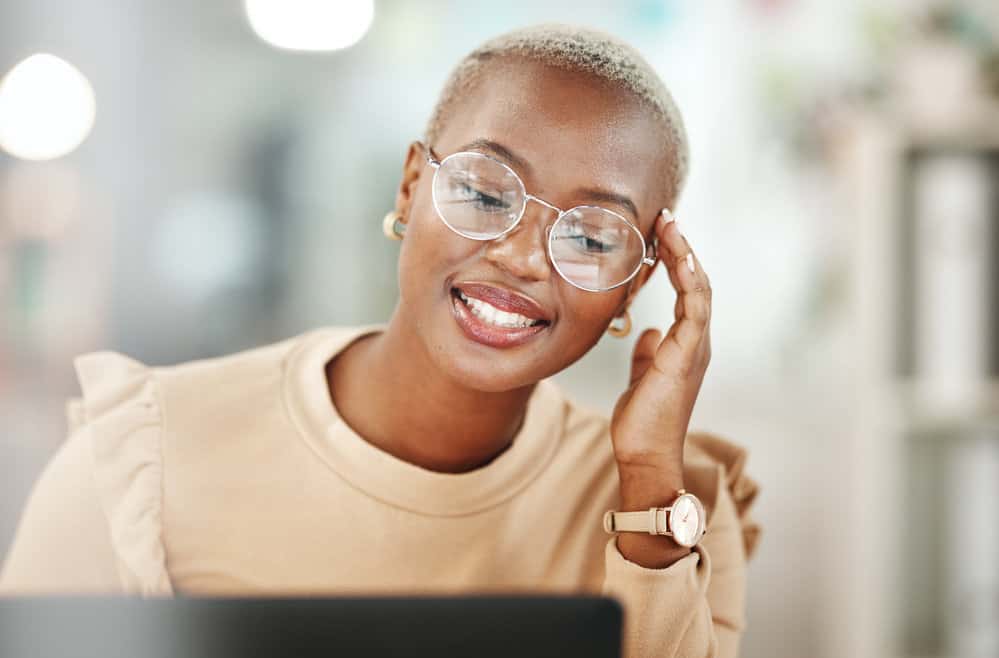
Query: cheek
<point>429,251</point>
<point>586,314</point>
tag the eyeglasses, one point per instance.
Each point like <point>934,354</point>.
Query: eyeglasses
<point>591,247</point>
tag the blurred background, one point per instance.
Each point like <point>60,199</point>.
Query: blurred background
<point>188,179</point>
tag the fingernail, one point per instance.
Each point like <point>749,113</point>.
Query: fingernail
<point>666,217</point>
<point>690,262</point>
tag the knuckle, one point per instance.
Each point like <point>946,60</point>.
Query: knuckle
<point>700,311</point>
<point>685,368</point>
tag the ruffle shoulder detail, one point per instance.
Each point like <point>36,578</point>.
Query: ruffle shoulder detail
<point>714,462</point>
<point>120,410</point>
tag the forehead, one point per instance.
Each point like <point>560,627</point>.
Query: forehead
<point>572,130</point>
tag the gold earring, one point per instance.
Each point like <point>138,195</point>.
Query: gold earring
<point>621,332</point>
<point>389,225</point>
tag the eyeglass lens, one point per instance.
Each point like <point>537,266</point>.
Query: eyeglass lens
<point>480,198</point>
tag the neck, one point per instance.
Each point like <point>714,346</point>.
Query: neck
<point>386,388</point>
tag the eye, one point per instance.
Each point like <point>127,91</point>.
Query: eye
<point>589,244</point>
<point>482,200</point>
<point>583,241</point>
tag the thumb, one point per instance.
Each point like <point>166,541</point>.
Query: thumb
<point>645,351</point>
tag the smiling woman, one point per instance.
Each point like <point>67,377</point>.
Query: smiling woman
<point>531,213</point>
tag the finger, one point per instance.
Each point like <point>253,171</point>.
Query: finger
<point>696,296</point>
<point>644,352</point>
<point>679,258</point>
<point>663,252</point>
<point>672,255</point>
<point>692,287</point>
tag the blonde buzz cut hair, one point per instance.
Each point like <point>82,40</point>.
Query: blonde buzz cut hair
<point>575,49</point>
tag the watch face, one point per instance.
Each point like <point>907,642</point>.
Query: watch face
<point>686,520</point>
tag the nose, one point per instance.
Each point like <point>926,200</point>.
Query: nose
<point>522,251</point>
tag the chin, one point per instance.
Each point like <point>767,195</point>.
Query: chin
<point>487,369</point>
<point>497,374</point>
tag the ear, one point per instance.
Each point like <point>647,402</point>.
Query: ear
<point>411,171</point>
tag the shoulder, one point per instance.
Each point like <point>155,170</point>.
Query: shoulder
<point>110,379</point>
<point>715,469</point>
<point>120,394</point>
<point>62,540</point>
<point>227,371</point>
<point>122,414</point>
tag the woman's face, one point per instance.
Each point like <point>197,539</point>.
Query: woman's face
<point>570,133</point>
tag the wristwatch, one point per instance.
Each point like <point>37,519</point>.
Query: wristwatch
<point>684,520</point>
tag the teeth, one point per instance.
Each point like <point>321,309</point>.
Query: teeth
<point>493,315</point>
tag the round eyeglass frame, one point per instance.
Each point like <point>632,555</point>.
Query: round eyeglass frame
<point>647,258</point>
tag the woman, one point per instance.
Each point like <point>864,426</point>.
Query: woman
<point>432,453</point>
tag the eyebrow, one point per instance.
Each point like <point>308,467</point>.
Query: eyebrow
<point>500,150</point>
<point>610,197</point>
<point>596,194</point>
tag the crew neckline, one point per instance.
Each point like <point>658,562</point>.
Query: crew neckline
<point>397,482</point>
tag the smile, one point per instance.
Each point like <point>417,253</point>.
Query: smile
<point>488,325</point>
<point>489,313</point>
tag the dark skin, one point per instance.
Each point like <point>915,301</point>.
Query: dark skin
<point>457,404</point>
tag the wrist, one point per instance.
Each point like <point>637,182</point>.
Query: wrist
<point>649,485</point>
<point>650,551</point>
<point>644,485</point>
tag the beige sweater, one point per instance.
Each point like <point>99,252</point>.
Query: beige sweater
<point>235,476</point>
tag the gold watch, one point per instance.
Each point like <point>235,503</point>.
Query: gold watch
<point>684,520</point>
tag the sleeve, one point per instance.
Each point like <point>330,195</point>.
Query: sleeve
<point>92,523</point>
<point>696,606</point>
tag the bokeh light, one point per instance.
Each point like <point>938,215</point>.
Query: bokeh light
<point>310,24</point>
<point>47,108</point>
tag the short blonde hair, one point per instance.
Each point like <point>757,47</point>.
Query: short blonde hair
<point>576,49</point>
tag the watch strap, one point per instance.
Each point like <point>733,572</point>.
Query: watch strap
<point>652,521</point>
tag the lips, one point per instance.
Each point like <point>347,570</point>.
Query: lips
<point>492,335</point>
<point>505,300</point>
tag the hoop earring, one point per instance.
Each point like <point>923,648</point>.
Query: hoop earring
<point>621,332</point>
<point>389,225</point>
